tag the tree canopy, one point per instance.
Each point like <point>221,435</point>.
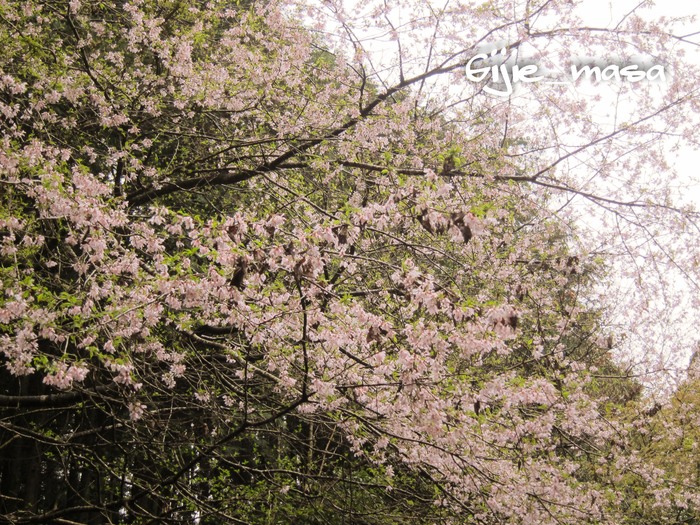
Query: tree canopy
<point>252,275</point>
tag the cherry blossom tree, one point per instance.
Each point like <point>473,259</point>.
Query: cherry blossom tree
<point>251,272</point>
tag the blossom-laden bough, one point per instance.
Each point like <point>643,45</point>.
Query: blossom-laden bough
<point>248,278</point>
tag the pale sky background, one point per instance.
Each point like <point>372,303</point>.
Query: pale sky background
<point>605,12</point>
<point>686,162</point>
<point>674,347</point>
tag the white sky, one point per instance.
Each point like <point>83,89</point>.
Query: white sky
<point>605,13</point>
<point>608,12</point>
